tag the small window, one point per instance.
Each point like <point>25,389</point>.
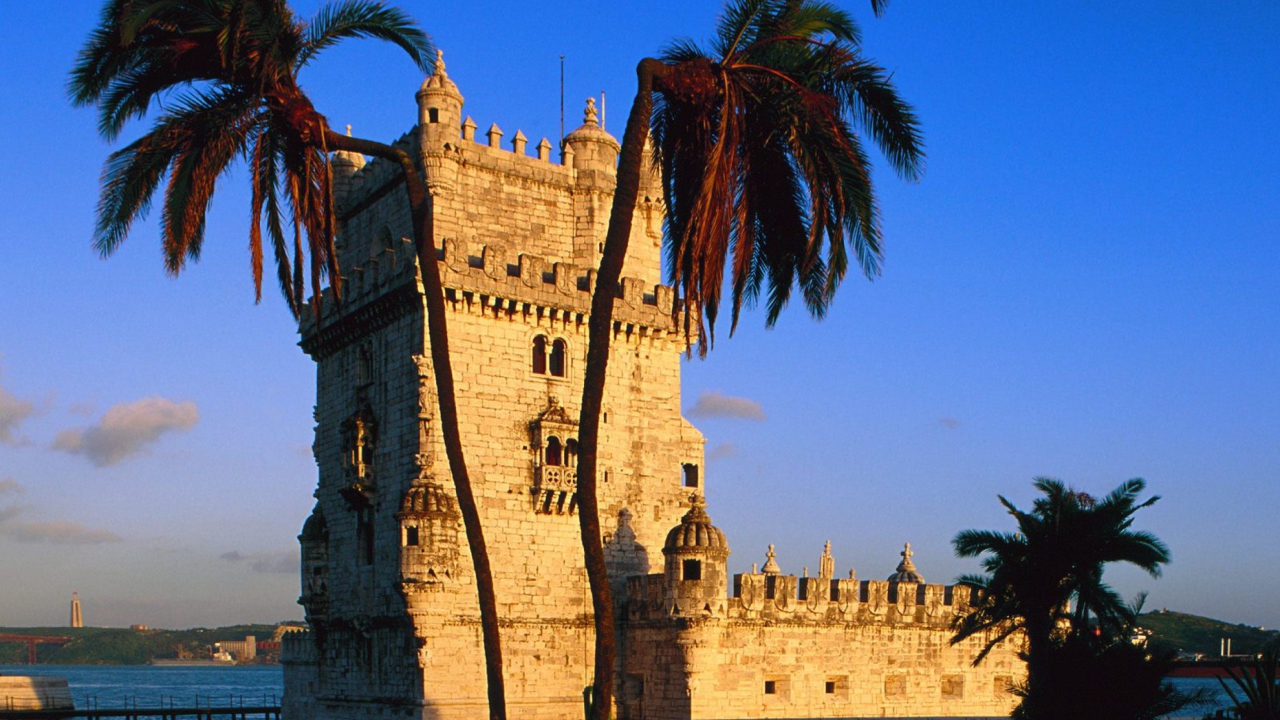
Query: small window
<point>540,355</point>
<point>433,115</point>
<point>692,569</point>
<point>551,456</point>
<point>831,687</point>
<point>411,536</point>
<point>770,687</point>
<point>690,475</point>
<point>558,349</point>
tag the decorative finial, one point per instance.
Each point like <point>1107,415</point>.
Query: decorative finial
<point>590,116</point>
<point>348,129</point>
<point>771,563</point>
<point>438,67</point>
<point>906,569</point>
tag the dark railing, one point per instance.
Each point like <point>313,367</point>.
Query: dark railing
<point>205,707</point>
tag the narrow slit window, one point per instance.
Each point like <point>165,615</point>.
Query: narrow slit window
<point>411,536</point>
<point>770,687</point>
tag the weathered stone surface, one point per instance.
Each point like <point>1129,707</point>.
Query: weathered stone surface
<point>387,579</point>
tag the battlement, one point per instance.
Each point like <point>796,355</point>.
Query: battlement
<point>818,600</point>
<point>483,279</point>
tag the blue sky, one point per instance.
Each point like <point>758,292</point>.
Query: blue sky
<point>1083,285</point>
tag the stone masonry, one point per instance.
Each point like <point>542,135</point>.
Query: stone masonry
<point>387,583</point>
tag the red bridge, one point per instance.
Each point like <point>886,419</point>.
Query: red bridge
<point>33,640</point>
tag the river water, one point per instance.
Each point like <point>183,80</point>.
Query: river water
<point>108,686</point>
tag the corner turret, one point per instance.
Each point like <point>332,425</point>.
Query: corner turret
<point>439,126</point>
<point>590,148</point>
<point>345,165</point>
<point>695,572</point>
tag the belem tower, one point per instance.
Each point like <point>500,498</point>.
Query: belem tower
<point>387,584</point>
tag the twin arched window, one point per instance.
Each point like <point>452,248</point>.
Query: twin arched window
<point>549,360</point>
<point>560,454</point>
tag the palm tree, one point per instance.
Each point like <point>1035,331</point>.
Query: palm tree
<point>1259,686</point>
<point>1045,579</point>
<point>234,65</point>
<point>755,141</point>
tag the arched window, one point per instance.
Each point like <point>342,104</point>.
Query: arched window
<point>551,456</point>
<point>540,355</point>
<point>571,453</point>
<point>558,349</point>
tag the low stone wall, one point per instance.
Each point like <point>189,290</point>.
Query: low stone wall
<point>21,692</point>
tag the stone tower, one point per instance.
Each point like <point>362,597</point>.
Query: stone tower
<point>387,585</point>
<point>77,618</point>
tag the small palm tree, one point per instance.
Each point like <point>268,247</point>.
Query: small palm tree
<point>234,65</point>
<point>1045,580</point>
<point>761,168</point>
<point>1259,686</point>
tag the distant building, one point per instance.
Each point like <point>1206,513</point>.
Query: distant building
<point>241,651</point>
<point>77,618</point>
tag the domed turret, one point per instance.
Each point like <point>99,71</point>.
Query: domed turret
<point>345,165</point>
<point>428,538</point>
<point>439,126</point>
<point>695,572</point>
<point>591,148</point>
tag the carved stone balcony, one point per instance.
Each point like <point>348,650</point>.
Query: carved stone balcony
<point>555,490</point>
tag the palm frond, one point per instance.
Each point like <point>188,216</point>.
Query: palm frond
<point>366,19</point>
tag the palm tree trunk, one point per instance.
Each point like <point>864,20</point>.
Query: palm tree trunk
<point>424,242</point>
<point>599,330</point>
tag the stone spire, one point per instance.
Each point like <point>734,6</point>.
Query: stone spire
<point>906,569</point>
<point>771,563</point>
<point>826,564</point>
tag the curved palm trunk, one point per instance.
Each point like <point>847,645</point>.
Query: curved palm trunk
<point>599,330</point>
<point>424,242</point>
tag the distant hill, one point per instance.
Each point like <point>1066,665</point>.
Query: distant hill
<point>1195,634</point>
<point>119,646</point>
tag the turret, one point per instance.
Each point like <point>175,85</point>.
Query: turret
<point>428,538</point>
<point>696,553</point>
<point>590,148</point>
<point>439,126</point>
<point>345,165</point>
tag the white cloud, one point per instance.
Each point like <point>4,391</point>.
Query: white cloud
<point>715,404</point>
<point>13,411</point>
<point>57,532</point>
<point>127,429</point>
<point>283,562</point>
<point>723,450</point>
